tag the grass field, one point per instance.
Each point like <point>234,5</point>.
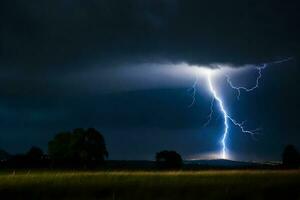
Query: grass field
<point>237,184</point>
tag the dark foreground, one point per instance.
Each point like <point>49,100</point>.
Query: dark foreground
<point>218,184</point>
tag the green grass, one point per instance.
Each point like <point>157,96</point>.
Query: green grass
<point>238,184</point>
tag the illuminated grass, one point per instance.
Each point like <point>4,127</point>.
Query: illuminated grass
<point>151,185</point>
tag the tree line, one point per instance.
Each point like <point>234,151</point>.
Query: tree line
<point>80,148</point>
<point>86,148</point>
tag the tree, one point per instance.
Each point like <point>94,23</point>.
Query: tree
<point>35,153</point>
<point>168,159</point>
<point>93,146</point>
<point>290,157</point>
<point>58,148</point>
<point>83,145</point>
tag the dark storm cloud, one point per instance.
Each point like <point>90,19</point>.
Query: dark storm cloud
<point>55,34</point>
<point>43,42</point>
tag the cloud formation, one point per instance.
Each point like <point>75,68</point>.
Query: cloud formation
<point>45,35</point>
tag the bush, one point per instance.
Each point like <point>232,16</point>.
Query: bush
<point>168,160</point>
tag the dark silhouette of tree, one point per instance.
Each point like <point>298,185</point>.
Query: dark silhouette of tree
<point>92,146</point>
<point>291,157</point>
<point>168,159</point>
<point>84,145</point>
<point>59,147</point>
<point>35,153</point>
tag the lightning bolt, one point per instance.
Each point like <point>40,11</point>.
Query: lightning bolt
<point>216,97</point>
<point>227,118</point>
<point>259,69</point>
<point>225,115</point>
<point>193,90</point>
<point>240,88</point>
<point>211,112</point>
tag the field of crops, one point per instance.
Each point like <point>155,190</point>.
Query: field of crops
<point>237,184</point>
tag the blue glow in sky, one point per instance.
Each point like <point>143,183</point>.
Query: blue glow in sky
<point>210,73</point>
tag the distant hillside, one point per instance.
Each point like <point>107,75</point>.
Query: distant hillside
<point>221,163</point>
<point>190,164</point>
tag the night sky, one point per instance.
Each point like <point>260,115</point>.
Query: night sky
<point>125,67</point>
